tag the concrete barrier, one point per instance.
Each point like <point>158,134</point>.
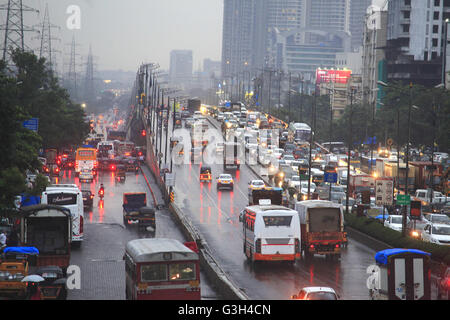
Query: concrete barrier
<point>227,289</point>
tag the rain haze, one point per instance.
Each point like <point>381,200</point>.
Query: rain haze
<point>123,34</point>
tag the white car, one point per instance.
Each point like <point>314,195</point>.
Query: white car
<point>288,159</point>
<point>220,116</point>
<point>256,185</point>
<point>437,233</point>
<point>304,187</point>
<point>278,152</point>
<point>436,218</point>
<point>294,182</point>
<point>251,144</point>
<point>316,293</point>
<point>395,222</point>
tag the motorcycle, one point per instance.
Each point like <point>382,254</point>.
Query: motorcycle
<point>101,193</point>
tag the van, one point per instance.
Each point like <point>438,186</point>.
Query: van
<point>70,197</point>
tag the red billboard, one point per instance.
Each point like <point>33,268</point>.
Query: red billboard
<point>333,76</point>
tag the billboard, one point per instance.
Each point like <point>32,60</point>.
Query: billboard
<point>333,76</point>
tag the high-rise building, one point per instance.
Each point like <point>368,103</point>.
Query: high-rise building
<point>373,54</point>
<point>237,36</point>
<point>415,41</point>
<point>358,10</point>
<point>180,67</point>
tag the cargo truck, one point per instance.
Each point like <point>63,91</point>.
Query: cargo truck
<point>322,228</point>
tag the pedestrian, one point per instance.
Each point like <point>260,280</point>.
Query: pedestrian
<point>2,239</point>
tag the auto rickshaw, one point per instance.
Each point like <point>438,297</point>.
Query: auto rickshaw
<point>205,174</point>
<point>132,165</point>
<point>120,173</point>
<point>14,266</point>
<point>54,285</point>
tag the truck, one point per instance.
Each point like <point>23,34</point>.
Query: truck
<point>275,195</point>
<point>135,209</point>
<point>51,155</point>
<point>422,172</point>
<point>193,105</point>
<point>390,170</point>
<point>424,195</point>
<point>231,156</point>
<point>322,228</point>
<point>48,228</point>
<point>361,182</point>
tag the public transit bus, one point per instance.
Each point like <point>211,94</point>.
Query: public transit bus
<point>106,149</point>
<point>126,148</point>
<point>271,233</point>
<point>299,133</point>
<point>85,159</point>
<point>161,269</point>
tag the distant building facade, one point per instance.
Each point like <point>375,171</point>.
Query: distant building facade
<point>180,72</point>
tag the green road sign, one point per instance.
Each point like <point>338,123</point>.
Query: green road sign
<point>404,199</point>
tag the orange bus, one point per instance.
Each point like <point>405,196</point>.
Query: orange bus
<point>85,159</point>
<point>161,269</point>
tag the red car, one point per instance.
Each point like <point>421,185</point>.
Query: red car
<point>444,285</point>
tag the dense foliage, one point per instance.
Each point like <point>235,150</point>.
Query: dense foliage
<point>28,90</point>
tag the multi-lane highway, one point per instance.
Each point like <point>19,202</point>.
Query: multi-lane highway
<point>216,215</point>
<point>100,257</point>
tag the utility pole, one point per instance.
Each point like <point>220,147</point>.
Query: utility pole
<point>311,142</point>
<point>301,102</point>
<point>89,89</point>
<point>46,50</point>
<point>71,80</point>
<point>289,98</point>
<point>350,143</point>
<point>407,159</point>
<point>14,28</point>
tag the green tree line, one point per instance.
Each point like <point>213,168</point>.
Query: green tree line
<point>430,116</point>
<point>29,89</point>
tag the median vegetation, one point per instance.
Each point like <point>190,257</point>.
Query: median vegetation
<point>376,230</point>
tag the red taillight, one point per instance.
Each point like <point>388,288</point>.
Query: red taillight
<point>101,192</point>
<point>57,170</point>
<point>337,246</point>
<point>140,153</point>
<point>311,246</point>
<point>258,246</point>
<point>92,196</point>
<point>112,167</point>
<point>70,164</point>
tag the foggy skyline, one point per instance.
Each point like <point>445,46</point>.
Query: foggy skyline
<point>123,34</point>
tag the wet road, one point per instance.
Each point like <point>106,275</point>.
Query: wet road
<point>100,255</point>
<point>216,215</point>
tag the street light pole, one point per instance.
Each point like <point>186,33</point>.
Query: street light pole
<point>289,93</point>
<point>350,143</point>
<point>407,159</point>
<point>311,142</point>
<point>444,55</point>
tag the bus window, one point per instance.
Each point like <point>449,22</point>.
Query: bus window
<point>154,272</point>
<point>271,221</point>
<point>182,271</point>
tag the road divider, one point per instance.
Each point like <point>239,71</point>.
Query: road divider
<point>214,272</point>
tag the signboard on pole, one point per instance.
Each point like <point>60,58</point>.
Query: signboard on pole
<point>31,124</point>
<point>404,199</point>
<point>330,177</point>
<point>384,191</point>
<point>170,179</point>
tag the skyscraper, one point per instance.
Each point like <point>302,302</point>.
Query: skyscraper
<point>180,67</point>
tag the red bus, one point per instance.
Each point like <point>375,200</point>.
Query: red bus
<point>161,269</point>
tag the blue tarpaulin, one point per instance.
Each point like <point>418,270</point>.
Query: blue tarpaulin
<point>25,250</point>
<point>28,200</point>
<point>381,257</point>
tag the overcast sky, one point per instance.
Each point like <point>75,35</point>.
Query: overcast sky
<point>125,33</point>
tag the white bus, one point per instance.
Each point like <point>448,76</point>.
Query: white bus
<point>299,132</point>
<point>271,233</point>
<point>70,197</point>
<point>106,149</point>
